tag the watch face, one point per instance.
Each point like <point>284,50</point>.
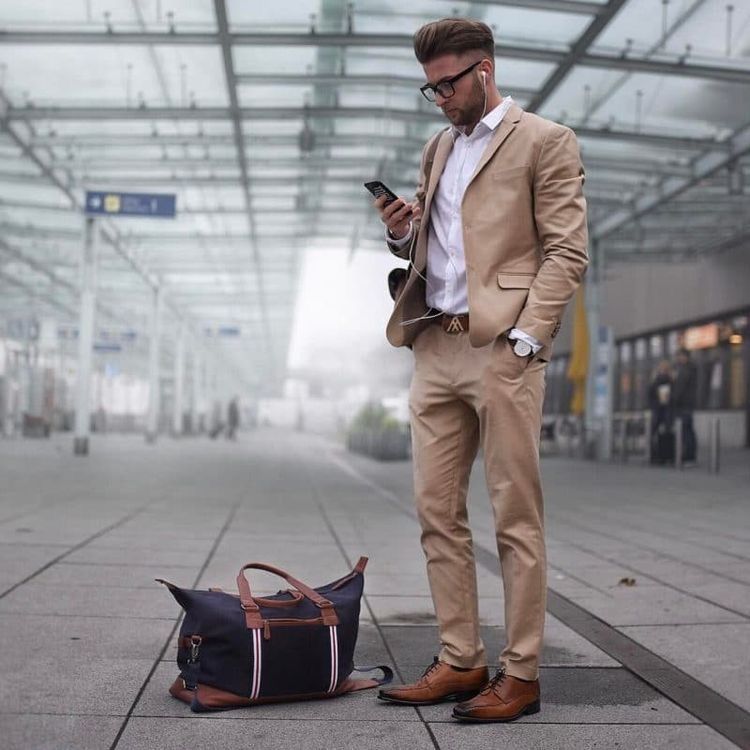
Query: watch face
<point>522,349</point>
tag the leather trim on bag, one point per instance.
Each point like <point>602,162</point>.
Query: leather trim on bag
<point>179,690</point>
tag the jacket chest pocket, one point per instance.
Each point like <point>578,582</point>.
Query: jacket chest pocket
<point>515,280</point>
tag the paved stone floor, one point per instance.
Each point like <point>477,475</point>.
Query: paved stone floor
<point>87,637</point>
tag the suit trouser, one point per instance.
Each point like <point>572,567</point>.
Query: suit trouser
<point>461,398</point>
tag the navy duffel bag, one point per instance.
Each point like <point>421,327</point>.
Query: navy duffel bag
<point>243,650</point>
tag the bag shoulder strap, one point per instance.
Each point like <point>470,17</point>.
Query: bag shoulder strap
<point>350,685</point>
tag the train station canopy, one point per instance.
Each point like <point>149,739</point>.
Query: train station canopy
<point>264,119</point>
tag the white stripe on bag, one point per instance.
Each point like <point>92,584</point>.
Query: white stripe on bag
<point>257,655</point>
<point>333,633</point>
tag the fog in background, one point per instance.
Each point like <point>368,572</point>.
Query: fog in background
<point>339,330</point>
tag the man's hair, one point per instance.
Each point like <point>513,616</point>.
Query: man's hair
<point>453,36</point>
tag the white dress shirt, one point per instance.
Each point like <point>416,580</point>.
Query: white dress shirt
<point>446,264</point>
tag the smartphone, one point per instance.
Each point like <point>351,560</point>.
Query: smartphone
<point>377,188</point>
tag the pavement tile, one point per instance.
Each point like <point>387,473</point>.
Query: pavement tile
<point>568,736</point>
<point>58,683</point>
<point>47,732</point>
<point>26,637</point>
<point>717,655</point>
<point>18,561</point>
<point>34,598</point>
<point>219,733</point>
<point>652,605</point>
<point>179,555</point>
<point>108,577</point>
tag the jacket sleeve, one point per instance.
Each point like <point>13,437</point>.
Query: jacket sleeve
<point>405,250</point>
<point>560,216</point>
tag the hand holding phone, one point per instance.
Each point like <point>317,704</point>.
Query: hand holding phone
<point>395,213</point>
<point>378,188</point>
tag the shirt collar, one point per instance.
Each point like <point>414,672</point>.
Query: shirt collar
<point>490,121</point>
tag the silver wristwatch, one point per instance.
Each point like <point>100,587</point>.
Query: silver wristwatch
<point>521,348</point>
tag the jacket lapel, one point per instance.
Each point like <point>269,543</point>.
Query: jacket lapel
<point>504,129</point>
<point>445,144</point>
<point>438,165</point>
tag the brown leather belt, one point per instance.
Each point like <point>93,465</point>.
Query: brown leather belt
<point>453,323</point>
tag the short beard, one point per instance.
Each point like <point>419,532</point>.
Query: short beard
<point>475,111</point>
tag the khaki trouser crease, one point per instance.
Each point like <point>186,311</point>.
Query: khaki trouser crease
<point>460,398</point>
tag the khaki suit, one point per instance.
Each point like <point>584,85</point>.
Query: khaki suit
<point>525,237</point>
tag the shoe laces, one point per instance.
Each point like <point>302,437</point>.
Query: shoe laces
<point>495,681</point>
<point>435,664</point>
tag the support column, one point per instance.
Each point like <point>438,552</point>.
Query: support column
<point>86,336</point>
<point>154,359</point>
<point>195,400</point>
<point>593,280</point>
<point>179,382</point>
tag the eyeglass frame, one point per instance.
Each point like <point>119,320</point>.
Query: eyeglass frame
<point>449,81</point>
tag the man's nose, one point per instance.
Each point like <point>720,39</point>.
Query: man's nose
<point>440,99</point>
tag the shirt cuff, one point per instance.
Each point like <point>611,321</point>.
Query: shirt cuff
<point>403,242</point>
<point>534,343</point>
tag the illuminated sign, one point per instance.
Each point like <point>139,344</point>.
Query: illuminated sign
<point>701,337</point>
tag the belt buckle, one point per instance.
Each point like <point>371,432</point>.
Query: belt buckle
<point>455,326</point>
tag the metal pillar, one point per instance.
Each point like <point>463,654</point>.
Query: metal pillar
<point>154,359</point>
<point>714,445</point>
<point>179,382</point>
<point>8,399</point>
<point>86,336</point>
<point>195,400</point>
<point>591,423</point>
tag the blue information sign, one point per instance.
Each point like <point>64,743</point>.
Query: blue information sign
<point>130,204</point>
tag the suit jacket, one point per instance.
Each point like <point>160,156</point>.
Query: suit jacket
<point>524,232</point>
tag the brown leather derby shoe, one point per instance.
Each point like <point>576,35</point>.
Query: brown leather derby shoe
<point>440,682</point>
<point>504,698</point>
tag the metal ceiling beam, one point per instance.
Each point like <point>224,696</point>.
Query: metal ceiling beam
<point>667,64</point>
<point>354,140</point>
<point>660,44</point>
<point>702,167</point>
<point>649,138</point>
<point>577,51</point>
<point>348,80</point>
<point>225,41</point>
<point>50,172</point>
<point>291,113</point>
<point>35,293</point>
<point>556,6</point>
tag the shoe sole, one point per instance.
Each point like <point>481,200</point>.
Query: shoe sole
<point>532,708</point>
<point>457,697</point>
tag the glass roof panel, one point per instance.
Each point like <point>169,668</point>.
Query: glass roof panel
<point>156,117</point>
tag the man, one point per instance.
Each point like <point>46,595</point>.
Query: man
<point>496,240</point>
<point>233,418</point>
<point>684,395</point>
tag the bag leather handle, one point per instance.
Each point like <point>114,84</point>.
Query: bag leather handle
<point>252,611</point>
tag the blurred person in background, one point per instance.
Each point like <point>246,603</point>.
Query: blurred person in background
<point>684,396</point>
<point>233,418</point>
<point>496,242</point>
<point>660,402</point>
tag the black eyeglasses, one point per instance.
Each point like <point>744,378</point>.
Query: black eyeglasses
<point>445,88</point>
